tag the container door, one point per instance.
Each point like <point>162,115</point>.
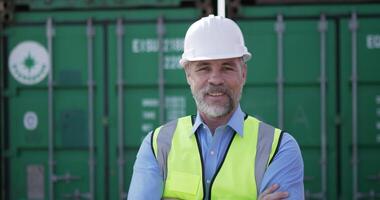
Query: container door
<point>147,88</point>
<point>290,84</point>
<point>360,92</point>
<point>53,110</point>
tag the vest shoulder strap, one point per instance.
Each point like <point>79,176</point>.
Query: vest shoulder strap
<point>161,142</point>
<point>267,146</point>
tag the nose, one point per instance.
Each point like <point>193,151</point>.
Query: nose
<point>215,78</point>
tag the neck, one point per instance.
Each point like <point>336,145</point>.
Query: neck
<point>215,122</point>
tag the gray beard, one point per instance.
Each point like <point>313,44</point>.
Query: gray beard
<point>212,110</point>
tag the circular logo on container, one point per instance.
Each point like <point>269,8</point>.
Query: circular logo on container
<point>30,120</point>
<point>29,62</point>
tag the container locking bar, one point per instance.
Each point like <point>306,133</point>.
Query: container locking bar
<point>322,28</point>
<point>90,57</point>
<point>49,35</point>
<point>280,28</point>
<point>120,102</point>
<point>353,25</point>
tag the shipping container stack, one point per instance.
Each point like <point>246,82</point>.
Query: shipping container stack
<point>83,82</point>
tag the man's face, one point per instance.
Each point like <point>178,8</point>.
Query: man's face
<point>216,85</point>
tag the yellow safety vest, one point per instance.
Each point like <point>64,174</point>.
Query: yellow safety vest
<point>240,173</point>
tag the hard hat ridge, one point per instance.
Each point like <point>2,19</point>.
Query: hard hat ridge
<point>214,37</point>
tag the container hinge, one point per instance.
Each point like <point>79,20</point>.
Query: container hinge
<point>67,177</point>
<point>77,195</point>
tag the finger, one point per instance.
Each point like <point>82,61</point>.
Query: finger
<point>274,196</point>
<point>271,189</point>
<point>277,195</point>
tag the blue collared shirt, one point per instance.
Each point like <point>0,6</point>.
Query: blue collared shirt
<point>286,168</point>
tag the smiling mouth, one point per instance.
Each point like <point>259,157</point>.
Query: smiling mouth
<point>215,94</point>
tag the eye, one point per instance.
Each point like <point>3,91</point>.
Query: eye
<point>228,67</point>
<point>202,69</point>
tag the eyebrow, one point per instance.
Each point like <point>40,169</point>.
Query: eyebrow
<point>229,63</point>
<point>200,64</point>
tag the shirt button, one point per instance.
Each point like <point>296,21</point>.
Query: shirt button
<point>212,152</point>
<point>208,181</point>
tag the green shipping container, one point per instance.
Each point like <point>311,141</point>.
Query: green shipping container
<point>286,89</point>
<point>64,138</point>
<point>360,107</point>
<point>115,76</point>
<point>293,100</point>
<point>315,81</point>
<point>53,125</point>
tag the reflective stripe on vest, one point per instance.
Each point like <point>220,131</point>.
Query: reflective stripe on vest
<point>179,156</point>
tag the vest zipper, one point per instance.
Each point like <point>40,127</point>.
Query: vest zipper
<point>219,167</point>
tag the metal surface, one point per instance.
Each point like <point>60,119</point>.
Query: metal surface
<point>322,28</point>
<point>221,8</point>
<point>161,79</point>
<point>353,26</point>
<point>51,162</point>
<point>280,28</point>
<point>120,103</point>
<point>90,84</point>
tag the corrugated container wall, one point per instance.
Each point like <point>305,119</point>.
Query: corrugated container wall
<point>81,89</point>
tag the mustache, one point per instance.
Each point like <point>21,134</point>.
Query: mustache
<point>216,89</point>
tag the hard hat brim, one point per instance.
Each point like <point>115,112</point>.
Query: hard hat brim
<point>183,61</point>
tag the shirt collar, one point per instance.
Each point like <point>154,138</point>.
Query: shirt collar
<point>236,122</point>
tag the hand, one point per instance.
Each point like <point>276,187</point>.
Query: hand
<point>270,194</point>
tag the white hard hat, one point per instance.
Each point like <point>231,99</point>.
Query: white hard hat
<point>214,37</point>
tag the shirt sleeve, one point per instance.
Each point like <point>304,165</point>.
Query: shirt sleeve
<point>286,169</point>
<point>147,179</point>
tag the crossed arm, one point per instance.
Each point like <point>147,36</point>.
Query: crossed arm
<point>282,180</point>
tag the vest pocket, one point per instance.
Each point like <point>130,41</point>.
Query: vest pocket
<point>182,182</point>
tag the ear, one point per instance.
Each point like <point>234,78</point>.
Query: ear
<point>188,74</point>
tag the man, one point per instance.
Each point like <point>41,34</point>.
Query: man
<point>221,153</point>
